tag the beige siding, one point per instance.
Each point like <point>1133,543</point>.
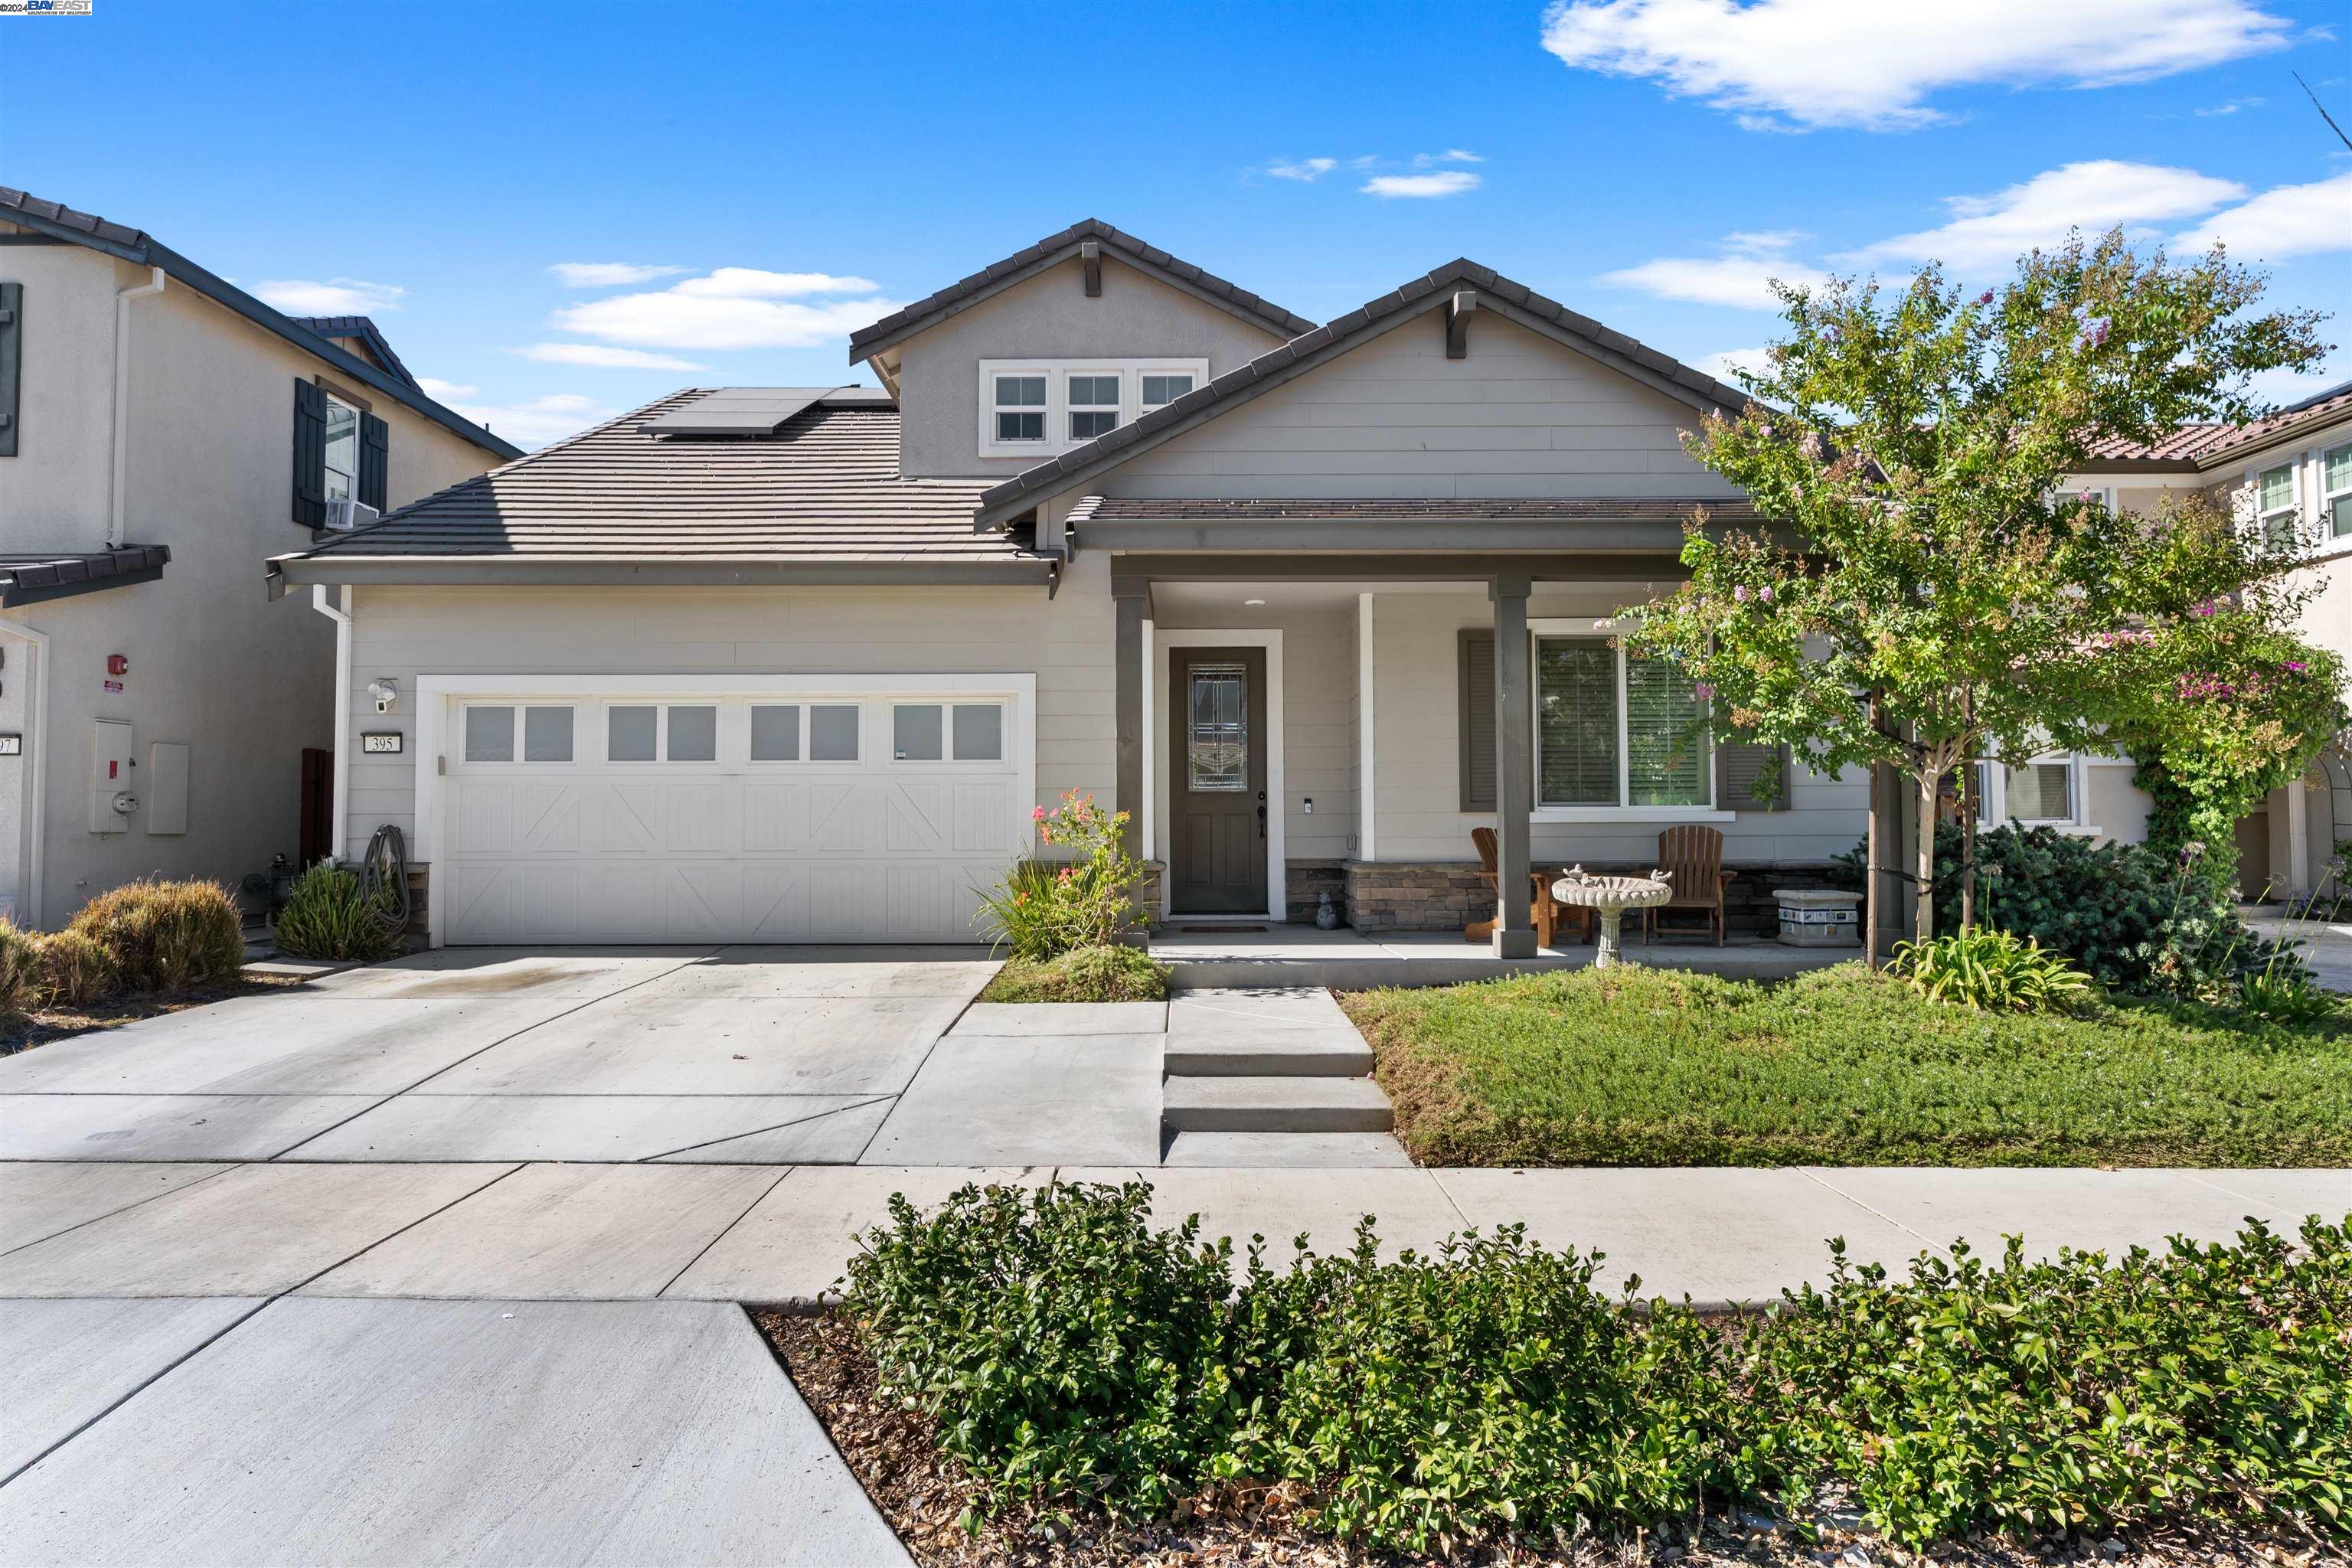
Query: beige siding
<point>245,682</point>
<point>1049,317</point>
<point>1522,416</point>
<point>403,633</point>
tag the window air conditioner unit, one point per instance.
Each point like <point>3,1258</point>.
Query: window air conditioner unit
<point>344,514</point>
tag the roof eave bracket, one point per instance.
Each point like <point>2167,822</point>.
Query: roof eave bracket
<point>1458,311</point>
<point>1090,258</point>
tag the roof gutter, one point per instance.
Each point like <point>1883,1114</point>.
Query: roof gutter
<point>282,572</point>
<point>155,254</point>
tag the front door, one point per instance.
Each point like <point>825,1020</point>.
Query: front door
<point>1216,781</point>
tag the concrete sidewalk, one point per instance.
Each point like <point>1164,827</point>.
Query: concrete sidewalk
<point>781,1233</point>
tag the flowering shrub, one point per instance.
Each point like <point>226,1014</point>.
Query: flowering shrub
<point>1043,908</point>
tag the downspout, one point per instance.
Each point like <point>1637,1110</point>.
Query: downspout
<point>341,616</point>
<point>119,484</point>
<point>38,809</point>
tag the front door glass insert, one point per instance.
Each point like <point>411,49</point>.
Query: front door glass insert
<point>1216,750</point>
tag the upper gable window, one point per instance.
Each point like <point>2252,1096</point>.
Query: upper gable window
<point>343,464</point>
<point>1032,407</point>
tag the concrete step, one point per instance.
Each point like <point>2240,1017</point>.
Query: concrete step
<point>1277,1053</point>
<point>1295,1149</point>
<point>1274,1105</point>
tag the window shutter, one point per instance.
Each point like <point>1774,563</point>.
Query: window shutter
<point>1478,690</point>
<point>310,454</point>
<point>375,454</point>
<point>1739,768</point>
<point>12,362</point>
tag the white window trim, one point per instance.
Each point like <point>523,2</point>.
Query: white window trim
<point>1992,810</point>
<point>2293,510</point>
<point>1584,626</point>
<point>1058,371</point>
<point>948,757</point>
<point>2328,543</point>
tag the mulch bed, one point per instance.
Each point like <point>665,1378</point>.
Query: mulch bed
<point>24,1031</point>
<point>920,1494</point>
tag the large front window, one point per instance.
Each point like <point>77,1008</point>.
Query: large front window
<point>1029,406</point>
<point>1616,730</point>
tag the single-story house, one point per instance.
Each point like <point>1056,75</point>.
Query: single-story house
<point>1312,602</point>
<point>161,430</point>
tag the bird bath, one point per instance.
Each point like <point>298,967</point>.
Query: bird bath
<point>1610,897</point>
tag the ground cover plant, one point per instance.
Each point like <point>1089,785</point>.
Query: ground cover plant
<point>1635,1066</point>
<point>1114,974</point>
<point>1042,1376</point>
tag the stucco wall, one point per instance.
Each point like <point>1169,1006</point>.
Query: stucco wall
<point>245,682</point>
<point>1049,317</point>
<point>403,633</point>
<point>1522,416</point>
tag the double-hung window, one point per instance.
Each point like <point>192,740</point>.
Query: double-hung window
<point>1033,407</point>
<point>342,463</point>
<point>2336,490</point>
<point>2274,505</point>
<point>1615,730</point>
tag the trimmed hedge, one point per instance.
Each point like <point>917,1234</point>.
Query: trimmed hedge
<point>1071,1355</point>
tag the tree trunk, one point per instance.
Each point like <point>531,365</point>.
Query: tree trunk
<point>1923,922</point>
<point>1874,898</point>
<point>1968,821</point>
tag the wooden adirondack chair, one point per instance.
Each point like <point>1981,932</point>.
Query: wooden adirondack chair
<point>1544,913</point>
<point>1695,856</point>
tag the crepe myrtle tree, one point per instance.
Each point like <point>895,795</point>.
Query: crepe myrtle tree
<point>1906,451</point>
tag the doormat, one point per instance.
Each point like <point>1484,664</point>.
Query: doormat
<point>1189,929</point>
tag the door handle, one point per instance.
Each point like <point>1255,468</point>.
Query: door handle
<point>1261,822</point>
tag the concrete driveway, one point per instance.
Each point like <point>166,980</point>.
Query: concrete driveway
<point>732,1055</point>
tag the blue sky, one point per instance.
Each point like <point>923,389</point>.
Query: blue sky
<point>746,183</point>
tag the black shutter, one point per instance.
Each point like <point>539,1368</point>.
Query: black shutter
<point>310,454</point>
<point>12,362</point>
<point>375,452</point>
<point>1477,690</point>
<point>1742,768</point>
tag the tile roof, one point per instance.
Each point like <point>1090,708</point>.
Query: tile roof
<point>367,332</point>
<point>1137,509</point>
<point>50,575</point>
<point>2203,446</point>
<point>1327,341</point>
<point>824,487</point>
<point>1054,249</point>
<point>138,247</point>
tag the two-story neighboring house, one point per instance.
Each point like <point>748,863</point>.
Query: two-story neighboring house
<point>161,431</point>
<point>1311,602</point>
<point>2289,473</point>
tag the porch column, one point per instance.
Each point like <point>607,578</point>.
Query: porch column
<point>1515,934</point>
<point>1132,605</point>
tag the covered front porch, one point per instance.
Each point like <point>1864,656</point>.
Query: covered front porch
<point>1297,727</point>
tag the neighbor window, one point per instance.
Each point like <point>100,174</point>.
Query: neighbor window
<point>1617,732</point>
<point>342,478</point>
<point>2336,490</point>
<point>1094,406</point>
<point>1020,408</point>
<point>2274,505</point>
<point>1160,389</point>
<point>2041,792</point>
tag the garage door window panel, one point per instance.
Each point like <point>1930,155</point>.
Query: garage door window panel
<point>775,731</point>
<point>489,733</point>
<point>631,733</point>
<point>832,732</point>
<point>547,735</point>
<point>979,731</point>
<point>692,734</point>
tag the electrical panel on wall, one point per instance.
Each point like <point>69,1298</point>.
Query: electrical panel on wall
<point>112,792</point>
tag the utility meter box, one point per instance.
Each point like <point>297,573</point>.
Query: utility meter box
<point>111,780</point>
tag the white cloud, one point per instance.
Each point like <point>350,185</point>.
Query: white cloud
<point>1306,171</point>
<point>1988,232</point>
<point>1741,279</point>
<point>608,274</point>
<point>2279,388</point>
<point>602,358</point>
<point>442,391</point>
<point>1875,65</point>
<point>1450,155</point>
<point>538,420</point>
<point>1452,183</point>
<point>1722,365</point>
<point>2289,220</point>
<point>2233,107</point>
<point>336,296</point>
<point>731,308</point>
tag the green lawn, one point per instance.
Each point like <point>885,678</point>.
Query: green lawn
<point>1646,1066</point>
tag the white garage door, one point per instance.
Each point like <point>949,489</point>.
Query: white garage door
<point>840,811</point>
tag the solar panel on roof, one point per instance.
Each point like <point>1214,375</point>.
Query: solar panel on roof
<point>738,411</point>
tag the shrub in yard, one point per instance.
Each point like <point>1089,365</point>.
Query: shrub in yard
<point>22,985</point>
<point>1116,973</point>
<point>165,935</point>
<point>329,916</point>
<point>75,970</point>
<point>2075,1394</point>
<point>1991,971</point>
<point>1067,1351</point>
<point>1433,1404</point>
<point>1043,908</point>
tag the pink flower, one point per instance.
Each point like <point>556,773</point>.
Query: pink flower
<point>2297,666</point>
<point>1036,814</point>
<point>1765,593</point>
<point>1740,593</point>
<point>1985,297</point>
<point>1703,690</point>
